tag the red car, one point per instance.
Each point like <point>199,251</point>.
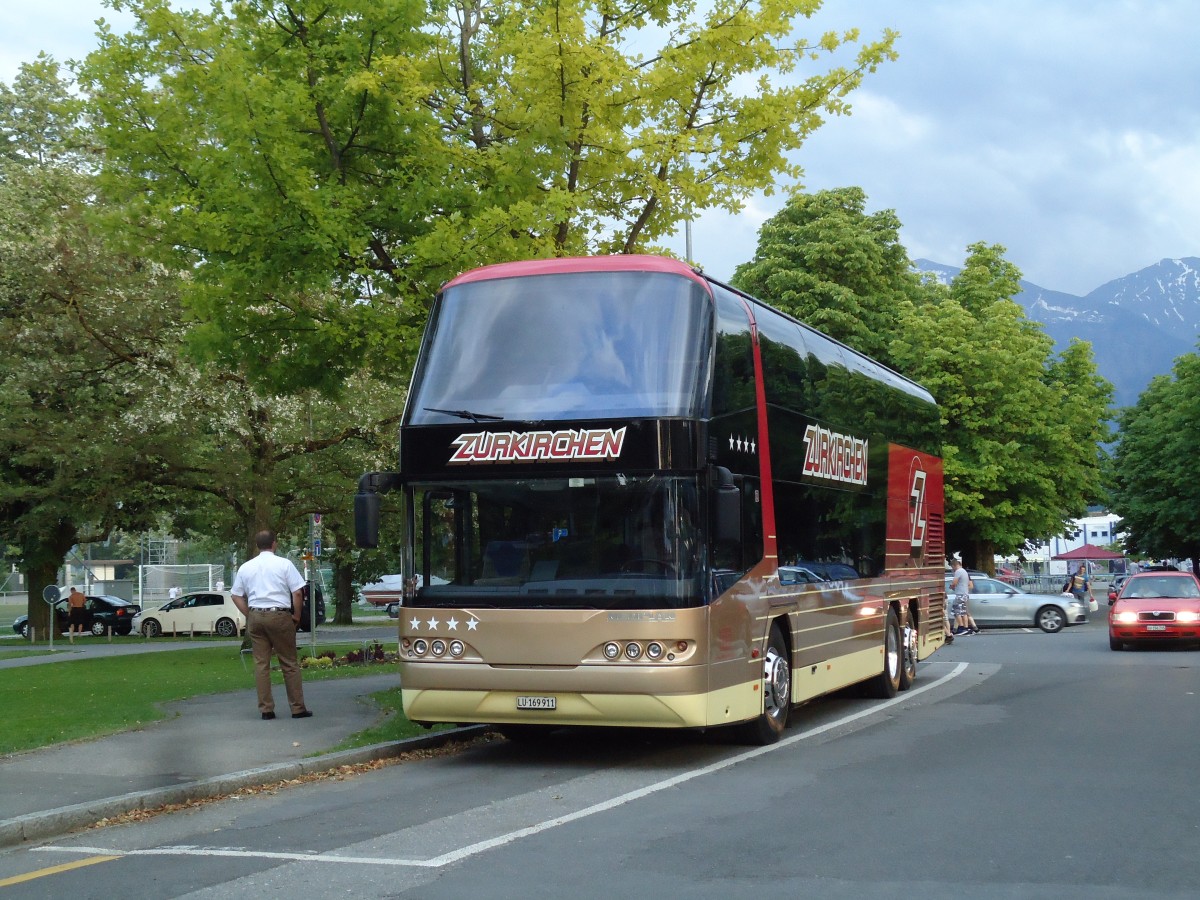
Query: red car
<point>1153,607</point>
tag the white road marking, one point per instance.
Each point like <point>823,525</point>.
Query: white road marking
<point>481,846</point>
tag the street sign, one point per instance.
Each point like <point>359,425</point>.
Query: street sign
<point>317,547</point>
<point>51,593</point>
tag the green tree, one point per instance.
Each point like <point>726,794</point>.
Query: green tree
<point>1023,428</point>
<point>105,421</point>
<point>1156,478</point>
<point>321,166</point>
<point>75,321</point>
<point>833,266</point>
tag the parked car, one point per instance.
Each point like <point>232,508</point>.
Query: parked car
<point>208,612</point>
<point>387,590</point>
<point>995,604</point>
<point>101,612</point>
<point>799,575</point>
<point>393,609</point>
<point>1155,607</point>
<point>829,571</point>
<point>1114,587</point>
<point>305,615</point>
<point>1009,574</point>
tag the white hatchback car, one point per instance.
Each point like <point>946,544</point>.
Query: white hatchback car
<point>207,612</point>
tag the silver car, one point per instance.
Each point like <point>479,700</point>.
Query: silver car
<point>995,604</point>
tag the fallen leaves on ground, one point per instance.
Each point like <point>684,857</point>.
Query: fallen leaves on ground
<point>337,773</point>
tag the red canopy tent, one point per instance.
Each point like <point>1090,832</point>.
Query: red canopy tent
<point>1090,551</point>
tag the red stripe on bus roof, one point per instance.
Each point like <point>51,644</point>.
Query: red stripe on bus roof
<point>616,263</point>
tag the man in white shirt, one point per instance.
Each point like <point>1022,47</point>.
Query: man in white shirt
<point>269,590</point>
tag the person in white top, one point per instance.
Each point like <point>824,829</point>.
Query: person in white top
<point>269,590</point>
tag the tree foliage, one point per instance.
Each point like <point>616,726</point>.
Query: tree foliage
<point>321,166</point>
<point>76,318</point>
<point>1156,473</point>
<point>826,261</point>
<point>105,420</point>
<point>1023,427</point>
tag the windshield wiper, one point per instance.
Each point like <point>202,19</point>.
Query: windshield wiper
<point>465,414</point>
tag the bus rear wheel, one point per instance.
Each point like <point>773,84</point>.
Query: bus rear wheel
<point>777,693</point>
<point>911,636</point>
<point>887,683</point>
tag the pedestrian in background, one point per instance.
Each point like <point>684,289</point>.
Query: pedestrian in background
<point>960,586</point>
<point>269,591</point>
<point>1080,586</point>
<point>76,614</point>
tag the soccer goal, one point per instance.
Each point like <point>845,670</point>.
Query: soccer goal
<point>157,582</point>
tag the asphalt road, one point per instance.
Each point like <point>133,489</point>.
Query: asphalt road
<point>1021,765</point>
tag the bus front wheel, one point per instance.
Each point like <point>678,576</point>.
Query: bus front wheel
<point>777,693</point>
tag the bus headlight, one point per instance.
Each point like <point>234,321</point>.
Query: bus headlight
<point>456,648</point>
<point>654,650</point>
<point>438,647</point>
<point>633,650</point>
<point>420,647</point>
<point>612,650</point>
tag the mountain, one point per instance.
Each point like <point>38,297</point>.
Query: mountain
<point>1138,324</point>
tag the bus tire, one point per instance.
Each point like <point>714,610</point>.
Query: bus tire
<point>910,642</point>
<point>777,693</point>
<point>885,685</point>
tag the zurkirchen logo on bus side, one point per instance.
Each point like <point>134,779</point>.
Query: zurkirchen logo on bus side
<point>832,456</point>
<point>531,446</point>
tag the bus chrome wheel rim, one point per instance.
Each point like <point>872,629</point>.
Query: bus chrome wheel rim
<point>893,653</point>
<point>776,683</point>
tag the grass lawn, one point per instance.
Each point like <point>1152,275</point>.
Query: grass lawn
<point>85,698</point>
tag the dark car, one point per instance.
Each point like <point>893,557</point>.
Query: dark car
<point>306,615</point>
<point>101,613</point>
<point>1115,586</point>
<point>1155,607</point>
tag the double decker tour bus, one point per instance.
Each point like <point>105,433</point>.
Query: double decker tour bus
<point>634,496</point>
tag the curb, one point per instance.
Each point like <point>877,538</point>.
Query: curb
<point>55,822</point>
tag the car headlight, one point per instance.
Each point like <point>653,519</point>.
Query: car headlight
<point>1126,618</point>
<point>1187,615</point>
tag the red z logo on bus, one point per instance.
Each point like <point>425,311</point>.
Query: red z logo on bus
<point>918,515</point>
<point>530,446</point>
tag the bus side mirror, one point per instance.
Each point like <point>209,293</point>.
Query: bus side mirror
<point>366,506</point>
<point>366,520</point>
<point>727,508</point>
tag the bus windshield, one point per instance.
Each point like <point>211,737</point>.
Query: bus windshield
<point>609,542</point>
<point>564,346</point>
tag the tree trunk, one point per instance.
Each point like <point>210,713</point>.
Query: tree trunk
<point>37,578</point>
<point>343,591</point>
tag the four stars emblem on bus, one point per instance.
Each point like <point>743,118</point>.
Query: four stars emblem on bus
<point>451,623</point>
<point>742,445</point>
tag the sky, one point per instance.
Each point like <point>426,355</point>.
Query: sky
<point>1066,131</point>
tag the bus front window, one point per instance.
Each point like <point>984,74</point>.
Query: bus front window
<point>609,542</point>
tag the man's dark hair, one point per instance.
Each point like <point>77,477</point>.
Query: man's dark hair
<point>265,539</point>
